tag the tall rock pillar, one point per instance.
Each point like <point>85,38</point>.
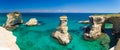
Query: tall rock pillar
<point>61,34</point>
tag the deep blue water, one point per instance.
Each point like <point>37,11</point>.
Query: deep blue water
<point>39,37</point>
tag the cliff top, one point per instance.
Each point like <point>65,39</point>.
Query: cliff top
<point>108,15</point>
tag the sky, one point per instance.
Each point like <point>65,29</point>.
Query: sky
<point>64,6</point>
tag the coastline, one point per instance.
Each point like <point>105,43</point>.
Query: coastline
<point>7,40</point>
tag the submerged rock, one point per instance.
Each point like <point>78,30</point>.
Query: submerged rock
<point>105,41</point>
<point>7,40</point>
<point>61,34</point>
<point>32,21</point>
<point>13,19</point>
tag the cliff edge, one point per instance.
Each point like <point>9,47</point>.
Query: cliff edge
<point>7,40</point>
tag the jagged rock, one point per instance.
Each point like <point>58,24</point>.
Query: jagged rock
<point>32,21</point>
<point>61,34</point>
<point>97,25</point>
<point>7,40</point>
<point>95,30</point>
<point>13,19</point>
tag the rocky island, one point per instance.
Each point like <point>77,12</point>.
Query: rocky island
<point>13,19</point>
<point>61,34</point>
<point>32,22</point>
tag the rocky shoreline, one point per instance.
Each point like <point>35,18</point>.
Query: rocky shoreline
<point>7,40</point>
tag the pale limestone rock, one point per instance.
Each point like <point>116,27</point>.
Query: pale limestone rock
<point>13,19</point>
<point>7,40</point>
<point>113,48</point>
<point>61,34</point>
<point>97,25</point>
<point>32,21</point>
<point>95,30</point>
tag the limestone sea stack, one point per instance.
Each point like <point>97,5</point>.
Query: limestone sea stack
<point>7,40</point>
<point>13,19</point>
<point>32,21</point>
<point>94,31</point>
<point>61,34</point>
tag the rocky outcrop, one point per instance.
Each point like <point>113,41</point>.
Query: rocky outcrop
<point>32,21</point>
<point>13,19</point>
<point>7,40</point>
<point>95,29</point>
<point>97,25</point>
<point>61,34</point>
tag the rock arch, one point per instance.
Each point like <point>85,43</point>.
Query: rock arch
<point>97,23</point>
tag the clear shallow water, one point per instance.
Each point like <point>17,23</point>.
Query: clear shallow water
<point>39,37</point>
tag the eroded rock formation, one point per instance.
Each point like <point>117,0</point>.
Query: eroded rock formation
<point>97,25</point>
<point>32,21</point>
<point>61,34</point>
<point>7,40</point>
<point>13,19</point>
<point>95,29</point>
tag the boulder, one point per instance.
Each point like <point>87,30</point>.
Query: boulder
<point>13,19</point>
<point>32,21</point>
<point>7,40</point>
<point>61,34</point>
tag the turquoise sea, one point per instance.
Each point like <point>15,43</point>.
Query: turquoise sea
<point>39,37</point>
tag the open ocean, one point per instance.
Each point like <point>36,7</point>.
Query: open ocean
<point>39,37</point>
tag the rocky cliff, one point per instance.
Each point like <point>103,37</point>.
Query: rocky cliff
<point>13,19</point>
<point>97,23</point>
<point>61,34</point>
<point>7,40</point>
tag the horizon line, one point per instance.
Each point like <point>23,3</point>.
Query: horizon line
<point>60,12</point>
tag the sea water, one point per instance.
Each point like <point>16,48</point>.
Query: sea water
<point>39,37</point>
